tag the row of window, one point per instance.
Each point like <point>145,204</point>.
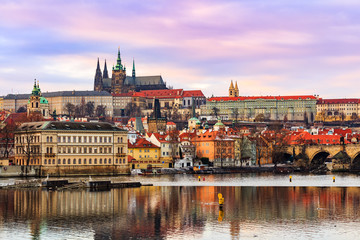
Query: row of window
<point>67,139</point>
<point>84,139</point>
<point>86,150</point>
<point>84,161</point>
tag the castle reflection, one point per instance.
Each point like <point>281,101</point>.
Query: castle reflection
<point>165,212</point>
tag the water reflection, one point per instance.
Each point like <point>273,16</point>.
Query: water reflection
<point>180,213</point>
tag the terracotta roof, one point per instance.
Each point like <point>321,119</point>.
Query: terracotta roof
<point>279,98</point>
<point>164,93</point>
<point>128,94</point>
<point>307,138</point>
<point>160,137</point>
<point>193,93</point>
<point>338,101</point>
<point>170,123</point>
<point>142,143</point>
<point>130,159</point>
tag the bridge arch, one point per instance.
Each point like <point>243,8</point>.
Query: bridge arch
<point>355,161</point>
<point>319,157</point>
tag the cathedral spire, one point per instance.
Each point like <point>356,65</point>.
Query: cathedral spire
<point>105,74</point>
<point>118,66</point>
<point>98,65</point>
<point>231,90</point>
<point>236,90</point>
<point>133,70</point>
<point>98,83</point>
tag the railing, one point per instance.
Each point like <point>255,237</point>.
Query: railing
<point>49,155</point>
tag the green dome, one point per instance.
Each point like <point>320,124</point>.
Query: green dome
<point>43,100</point>
<point>219,123</point>
<point>193,119</point>
<point>198,122</point>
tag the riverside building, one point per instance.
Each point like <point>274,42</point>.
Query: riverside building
<point>70,144</point>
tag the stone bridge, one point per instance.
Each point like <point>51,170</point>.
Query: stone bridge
<point>321,152</point>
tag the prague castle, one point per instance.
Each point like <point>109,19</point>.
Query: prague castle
<point>120,83</point>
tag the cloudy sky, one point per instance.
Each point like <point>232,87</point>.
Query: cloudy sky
<point>277,47</point>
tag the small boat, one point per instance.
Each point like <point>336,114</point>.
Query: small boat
<point>137,172</point>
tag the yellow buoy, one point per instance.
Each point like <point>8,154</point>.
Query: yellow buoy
<point>333,178</point>
<point>221,199</point>
<point>290,178</point>
<point>199,178</point>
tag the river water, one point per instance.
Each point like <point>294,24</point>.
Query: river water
<point>257,206</point>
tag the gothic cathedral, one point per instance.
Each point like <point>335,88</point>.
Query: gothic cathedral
<point>120,83</point>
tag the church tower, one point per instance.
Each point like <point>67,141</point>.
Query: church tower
<point>118,76</point>
<point>98,80</point>
<point>37,103</point>
<point>231,90</point>
<point>236,90</point>
<point>133,70</point>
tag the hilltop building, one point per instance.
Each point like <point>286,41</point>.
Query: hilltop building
<point>120,83</point>
<point>338,109</point>
<point>233,107</point>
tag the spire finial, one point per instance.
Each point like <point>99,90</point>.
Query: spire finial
<point>133,70</point>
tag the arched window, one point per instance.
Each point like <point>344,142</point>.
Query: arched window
<point>37,105</point>
<point>45,161</point>
<point>95,161</point>
<point>69,161</point>
<point>79,161</point>
<point>100,161</point>
<point>64,161</point>
<point>74,161</point>
<point>105,161</point>
<point>90,161</point>
<point>85,161</point>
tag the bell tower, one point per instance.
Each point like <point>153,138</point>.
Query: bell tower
<point>118,76</point>
<point>231,90</point>
<point>236,90</point>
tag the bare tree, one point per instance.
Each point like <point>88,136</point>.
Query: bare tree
<point>70,108</point>
<point>100,111</point>
<point>89,108</point>
<point>235,112</point>
<point>215,112</point>
<point>132,110</point>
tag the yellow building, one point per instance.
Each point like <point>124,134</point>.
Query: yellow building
<point>145,155</point>
<point>57,144</point>
<point>337,109</point>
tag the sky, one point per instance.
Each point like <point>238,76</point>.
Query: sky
<point>277,47</point>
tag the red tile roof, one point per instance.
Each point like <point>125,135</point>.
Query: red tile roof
<point>128,94</point>
<point>164,93</point>
<point>307,138</point>
<point>142,143</point>
<point>279,98</point>
<point>193,93</point>
<point>338,101</point>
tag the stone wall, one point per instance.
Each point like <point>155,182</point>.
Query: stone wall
<point>19,171</point>
<point>65,171</point>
